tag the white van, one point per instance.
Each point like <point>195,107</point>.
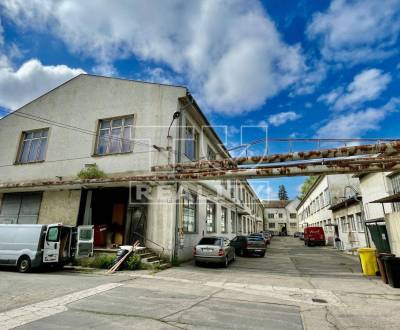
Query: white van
<point>30,246</point>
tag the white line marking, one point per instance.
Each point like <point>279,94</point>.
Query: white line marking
<point>19,316</point>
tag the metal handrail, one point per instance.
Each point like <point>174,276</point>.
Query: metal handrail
<point>147,239</point>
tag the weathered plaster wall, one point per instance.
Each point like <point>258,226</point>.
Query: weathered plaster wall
<point>60,207</point>
<point>393,228</point>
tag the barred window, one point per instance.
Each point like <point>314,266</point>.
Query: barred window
<point>224,224</point>
<point>189,212</point>
<point>210,225</point>
<point>115,136</point>
<point>33,146</point>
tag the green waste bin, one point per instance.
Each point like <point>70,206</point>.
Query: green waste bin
<point>392,266</point>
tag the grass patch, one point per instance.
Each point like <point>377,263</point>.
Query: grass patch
<point>91,172</point>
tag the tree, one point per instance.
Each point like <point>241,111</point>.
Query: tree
<point>283,196</point>
<point>305,187</point>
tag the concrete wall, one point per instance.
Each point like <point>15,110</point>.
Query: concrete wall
<point>374,186</point>
<point>393,228</point>
<point>161,219</point>
<point>353,238</point>
<point>82,102</point>
<point>60,207</point>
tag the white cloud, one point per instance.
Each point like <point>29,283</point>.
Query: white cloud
<point>229,52</point>
<point>355,124</point>
<point>31,80</point>
<point>357,31</point>
<point>283,117</point>
<point>366,86</point>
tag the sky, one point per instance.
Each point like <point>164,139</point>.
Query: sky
<point>276,69</point>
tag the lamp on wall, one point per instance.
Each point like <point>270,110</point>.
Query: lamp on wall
<point>175,116</point>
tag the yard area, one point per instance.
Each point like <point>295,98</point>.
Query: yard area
<point>292,287</point>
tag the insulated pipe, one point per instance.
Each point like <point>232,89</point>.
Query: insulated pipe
<point>389,148</point>
<point>250,173</point>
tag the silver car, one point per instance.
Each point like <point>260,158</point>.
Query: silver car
<point>214,249</point>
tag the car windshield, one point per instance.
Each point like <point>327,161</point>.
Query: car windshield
<point>210,241</point>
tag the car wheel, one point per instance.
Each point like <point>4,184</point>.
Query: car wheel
<point>197,263</point>
<point>262,255</point>
<point>24,264</point>
<point>234,257</point>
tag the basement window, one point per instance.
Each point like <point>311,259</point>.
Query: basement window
<point>33,146</point>
<point>115,136</point>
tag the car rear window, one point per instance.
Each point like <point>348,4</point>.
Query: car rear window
<point>255,238</point>
<point>210,241</point>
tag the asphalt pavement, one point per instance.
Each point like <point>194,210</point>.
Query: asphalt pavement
<point>292,287</point>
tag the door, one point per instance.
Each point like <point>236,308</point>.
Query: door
<point>136,225</point>
<point>84,242</point>
<point>51,250</point>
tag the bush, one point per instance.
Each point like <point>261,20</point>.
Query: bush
<point>134,262</point>
<point>104,261</point>
<point>91,172</point>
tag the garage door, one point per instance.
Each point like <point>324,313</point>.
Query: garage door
<point>20,208</point>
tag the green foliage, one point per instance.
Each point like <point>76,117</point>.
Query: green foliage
<point>91,172</point>
<point>134,262</point>
<point>307,185</point>
<point>283,196</point>
<point>103,261</point>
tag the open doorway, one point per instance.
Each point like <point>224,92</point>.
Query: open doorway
<point>115,220</point>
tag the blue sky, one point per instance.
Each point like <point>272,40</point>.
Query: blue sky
<point>304,69</point>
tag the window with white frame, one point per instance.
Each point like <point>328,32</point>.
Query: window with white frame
<point>191,139</point>
<point>293,225</point>
<point>343,224</point>
<point>33,146</point>
<point>232,188</point>
<point>224,220</point>
<point>211,155</point>
<point>352,224</point>
<point>210,220</point>
<point>327,197</point>
<point>293,215</point>
<point>189,212</point>
<point>115,135</point>
<point>271,225</point>
<point>280,215</point>
<point>395,182</point>
<point>270,215</point>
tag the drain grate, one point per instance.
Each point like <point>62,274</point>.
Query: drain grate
<point>318,300</point>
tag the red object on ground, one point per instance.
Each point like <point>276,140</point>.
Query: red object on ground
<point>100,233</point>
<point>314,236</point>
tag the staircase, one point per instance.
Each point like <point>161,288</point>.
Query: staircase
<point>149,257</point>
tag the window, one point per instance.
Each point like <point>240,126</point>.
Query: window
<point>224,224</point>
<point>232,186</point>
<point>360,226</point>
<point>293,215</point>
<point>352,224</point>
<point>52,234</point>
<point>343,224</point>
<point>233,221</point>
<point>33,146</point>
<point>293,225</point>
<point>280,215</point>
<point>270,215</point>
<point>395,181</point>
<point>115,136</point>
<point>224,183</point>
<point>191,139</point>
<point>327,197</point>
<point>211,154</point>
<point>210,241</point>
<point>20,208</point>
<point>210,221</point>
<point>271,225</point>
<point>189,212</point>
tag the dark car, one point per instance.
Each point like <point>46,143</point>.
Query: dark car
<point>260,236</point>
<point>245,245</point>
<point>296,234</point>
<point>214,249</point>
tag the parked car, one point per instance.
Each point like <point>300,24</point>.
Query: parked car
<point>301,236</point>
<point>296,234</point>
<point>268,236</point>
<point>249,245</point>
<point>214,249</point>
<point>314,236</point>
<point>260,235</point>
<point>30,246</point>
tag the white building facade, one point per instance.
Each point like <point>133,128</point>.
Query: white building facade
<point>122,128</point>
<point>281,213</point>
